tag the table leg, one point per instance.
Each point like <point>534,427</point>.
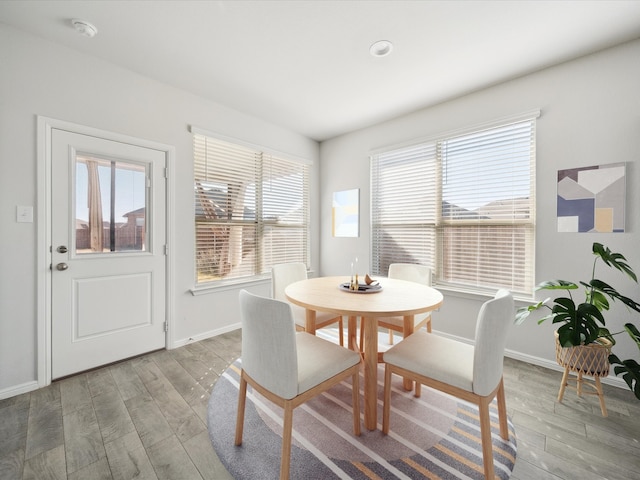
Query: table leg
<point>370,373</point>
<point>407,329</point>
<point>310,319</point>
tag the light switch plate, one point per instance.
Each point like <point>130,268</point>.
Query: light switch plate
<point>24,214</point>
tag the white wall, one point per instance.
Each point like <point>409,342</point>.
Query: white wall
<point>590,115</point>
<point>41,78</point>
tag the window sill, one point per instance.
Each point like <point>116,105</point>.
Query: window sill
<point>222,285</point>
<point>229,285</point>
<point>479,295</point>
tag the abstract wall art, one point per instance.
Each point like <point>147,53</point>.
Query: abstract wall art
<point>345,213</point>
<point>592,199</point>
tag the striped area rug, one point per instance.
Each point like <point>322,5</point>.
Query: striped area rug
<point>435,436</point>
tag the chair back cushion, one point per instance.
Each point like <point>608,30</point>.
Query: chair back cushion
<point>411,272</point>
<point>284,274</point>
<point>494,321</point>
<point>269,353</point>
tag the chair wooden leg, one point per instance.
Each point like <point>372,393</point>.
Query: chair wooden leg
<point>563,385</point>
<point>418,391</point>
<point>603,409</point>
<point>502,411</point>
<point>285,460</point>
<point>341,330</point>
<point>390,337</point>
<point>429,326</point>
<point>352,333</point>
<point>386,403</point>
<point>355,400</point>
<point>242,397</point>
<point>407,329</point>
<point>485,433</point>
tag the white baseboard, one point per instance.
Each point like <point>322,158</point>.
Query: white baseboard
<point>19,389</point>
<point>204,335</point>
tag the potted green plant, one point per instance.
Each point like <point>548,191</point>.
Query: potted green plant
<point>584,323</point>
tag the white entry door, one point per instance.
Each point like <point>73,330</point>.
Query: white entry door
<point>108,251</point>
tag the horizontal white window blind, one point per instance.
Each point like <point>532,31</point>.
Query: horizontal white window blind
<point>251,211</point>
<point>471,202</point>
<point>404,200</point>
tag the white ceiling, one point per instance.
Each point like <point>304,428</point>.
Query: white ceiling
<point>306,65</point>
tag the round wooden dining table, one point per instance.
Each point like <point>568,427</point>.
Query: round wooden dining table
<point>394,298</point>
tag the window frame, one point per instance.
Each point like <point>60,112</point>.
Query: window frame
<point>263,158</point>
<point>435,252</point>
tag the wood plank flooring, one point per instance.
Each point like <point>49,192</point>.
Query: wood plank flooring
<point>145,418</point>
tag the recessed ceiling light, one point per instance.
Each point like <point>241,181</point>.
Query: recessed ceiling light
<point>84,28</point>
<point>381,48</point>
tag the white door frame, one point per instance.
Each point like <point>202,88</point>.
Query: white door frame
<point>44,188</point>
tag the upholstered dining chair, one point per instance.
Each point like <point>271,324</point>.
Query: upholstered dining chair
<point>288,367</point>
<point>470,372</point>
<point>285,274</point>
<point>411,272</point>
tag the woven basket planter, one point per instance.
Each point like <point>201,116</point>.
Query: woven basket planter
<point>591,360</point>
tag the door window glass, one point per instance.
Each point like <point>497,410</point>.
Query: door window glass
<point>110,205</point>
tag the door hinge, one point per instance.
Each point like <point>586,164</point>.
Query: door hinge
<point>166,249</point>
<point>166,327</point>
<point>166,172</point>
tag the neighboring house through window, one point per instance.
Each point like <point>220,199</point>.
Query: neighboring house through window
<point>463,204</point>
<point>251,211</point>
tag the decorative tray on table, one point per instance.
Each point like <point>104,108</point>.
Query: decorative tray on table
<point>362,288</point>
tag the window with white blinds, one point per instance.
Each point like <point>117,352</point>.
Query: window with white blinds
<point>463,205</point>
<point>251,211</point>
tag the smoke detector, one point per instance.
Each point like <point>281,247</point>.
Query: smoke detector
<point>84,28</point>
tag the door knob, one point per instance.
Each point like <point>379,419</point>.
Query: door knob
<point>62,249</point>
<point>62,266</point>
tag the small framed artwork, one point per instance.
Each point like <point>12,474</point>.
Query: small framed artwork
<point>592,199</point>
<point>345,213</point>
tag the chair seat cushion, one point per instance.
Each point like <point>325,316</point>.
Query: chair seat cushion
<point>435,357</point>
<point>319,360</point>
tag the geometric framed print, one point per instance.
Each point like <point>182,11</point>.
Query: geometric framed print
<point>592,199</point>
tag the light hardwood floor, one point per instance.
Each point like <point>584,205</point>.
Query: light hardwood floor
<point>146,418</point>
